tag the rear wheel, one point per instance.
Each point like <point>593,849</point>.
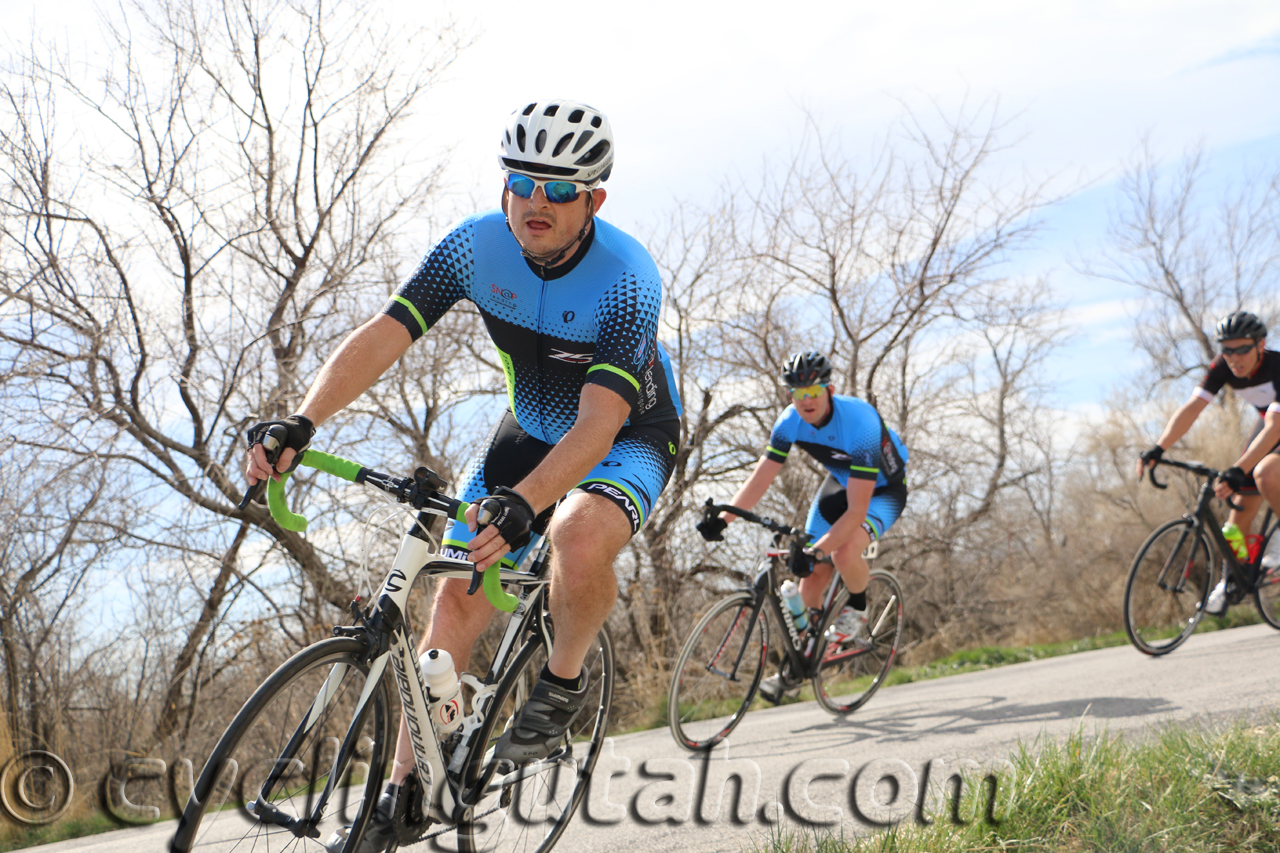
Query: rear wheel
<point>851,672</point>
<point>717,672</point>
<point>1167,587</point>
<point>282,749</point>
<point>528,815</point>
<point>1267,593</point>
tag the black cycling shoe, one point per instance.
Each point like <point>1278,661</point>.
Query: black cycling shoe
<point>388,823</point>
<point>541,724</point>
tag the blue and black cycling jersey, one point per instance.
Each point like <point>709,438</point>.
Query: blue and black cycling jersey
<point>593,319</point>
<point>854,442</point>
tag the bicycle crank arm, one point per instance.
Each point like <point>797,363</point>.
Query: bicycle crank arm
<point>528,771</point>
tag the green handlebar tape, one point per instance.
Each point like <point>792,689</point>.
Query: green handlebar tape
<point>279,511</point>
<point>493,591</point>
<point>330,464</point>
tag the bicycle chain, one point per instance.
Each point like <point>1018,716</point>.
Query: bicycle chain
<point>427,836</point>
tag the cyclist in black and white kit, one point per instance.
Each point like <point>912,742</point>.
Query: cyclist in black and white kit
<point>1246,365</point>
<point>571,304</point>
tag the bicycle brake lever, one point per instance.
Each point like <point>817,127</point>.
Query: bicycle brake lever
<point>477,577</point>
<point>251,493</point>
<point>1151,475</point>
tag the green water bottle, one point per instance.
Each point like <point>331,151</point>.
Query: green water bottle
<point>1236,540</point>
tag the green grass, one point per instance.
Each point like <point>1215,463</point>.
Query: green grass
<point>1188,788</point>
<point>76,826</point>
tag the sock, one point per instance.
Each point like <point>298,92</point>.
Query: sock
<point>858,600</point>
<point>574,684</point>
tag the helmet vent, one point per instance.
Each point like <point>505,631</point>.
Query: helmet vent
<point>562,144</point>
<point>583,140</point>
<point>540,141</point>
<point>593,156</point>
<point>595,121</point>
<point>575,116</point>
<point>528,110</point>
<point>520,136</point>
<point>551,110</point>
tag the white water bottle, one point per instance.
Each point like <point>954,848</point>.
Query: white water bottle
<point>791,598</point>
<point>444,691</point>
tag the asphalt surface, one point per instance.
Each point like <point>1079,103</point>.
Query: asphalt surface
<point>813,769</point>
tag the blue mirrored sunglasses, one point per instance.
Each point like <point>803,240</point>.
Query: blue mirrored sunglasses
<point>556,191</point>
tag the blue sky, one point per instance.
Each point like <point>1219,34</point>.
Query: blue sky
<point>697,94</point>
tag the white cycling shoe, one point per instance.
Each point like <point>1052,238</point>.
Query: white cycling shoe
<point>849,626</point>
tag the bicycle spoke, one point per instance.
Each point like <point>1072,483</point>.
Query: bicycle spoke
<point>1159,615</point>
<point>851,672</point>
<point>707,700</point>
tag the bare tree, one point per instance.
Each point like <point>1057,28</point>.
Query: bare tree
<point>1193,263</point>
<point>186,233</point>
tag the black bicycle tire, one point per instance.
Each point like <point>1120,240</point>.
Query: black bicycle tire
<point>878,576</point>
<point>1143,645</point>
<point>738,599</point>
<point>473,773</point>
<point>300,663</point>
<point>1272,619</point>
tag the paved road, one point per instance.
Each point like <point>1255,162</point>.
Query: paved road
<point>658,799</point>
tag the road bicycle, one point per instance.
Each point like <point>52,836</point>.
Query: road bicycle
<point>307,755</point>
<point>721,663</point>
<point>1169,583</point>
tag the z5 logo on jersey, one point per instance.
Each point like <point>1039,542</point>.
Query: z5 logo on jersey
<point>620,497</point>
<point>503,292</point>
<point>572,357</point>
<point>840,457</point>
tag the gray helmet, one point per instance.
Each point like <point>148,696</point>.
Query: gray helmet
<point>806,368</point>
<point>558,139</point>
<point>1241,324</point>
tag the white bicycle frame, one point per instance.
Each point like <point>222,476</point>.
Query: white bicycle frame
<point>414,557</point>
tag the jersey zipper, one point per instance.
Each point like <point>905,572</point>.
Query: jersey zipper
<point>537,349</point>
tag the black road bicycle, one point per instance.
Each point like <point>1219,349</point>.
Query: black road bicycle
<point>307,755</point>
<point>1169,583</point>
<point>720,666</point>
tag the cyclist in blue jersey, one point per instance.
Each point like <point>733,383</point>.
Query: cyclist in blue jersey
<point>862,496</point>
<point>571,304</point>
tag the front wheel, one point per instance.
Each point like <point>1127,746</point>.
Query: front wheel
<point>1267,593</point>
<point>282,749</point>
<point>528,815</point>
<point>850,672</point>
<point>1168,584</point>
<point>717,672</point>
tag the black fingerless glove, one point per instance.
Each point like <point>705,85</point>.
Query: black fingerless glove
<point>712,528</point>
<point>1235,478</point>
<point>510,513</point>
<point>293,432</point>
<point>1152,455</point>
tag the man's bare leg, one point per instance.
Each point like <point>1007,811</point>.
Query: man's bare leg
<point>587,532</point>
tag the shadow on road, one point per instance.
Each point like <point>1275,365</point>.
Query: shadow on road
<point>919,721</point>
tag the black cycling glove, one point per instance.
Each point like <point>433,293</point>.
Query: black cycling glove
<point>294,431</point>
<point>1152,455</point>
<point>1235,478</point>
<point>510,512</point>
<point>712,528</point>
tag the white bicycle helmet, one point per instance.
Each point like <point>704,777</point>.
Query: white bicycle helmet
<point>558,139</point>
